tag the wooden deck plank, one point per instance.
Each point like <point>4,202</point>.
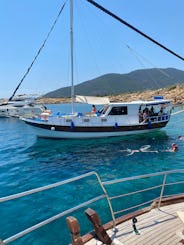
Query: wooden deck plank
<point>149,218</point>
<point>147,228</point>
<point>156,227</point>
<point>165,236</point>
<point>142,224</point>
<point>146,232</point>
<point>172,240</point>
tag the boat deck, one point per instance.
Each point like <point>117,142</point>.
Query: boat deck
<point>155,227</point>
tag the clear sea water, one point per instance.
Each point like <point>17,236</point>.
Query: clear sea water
<point>28,162</point>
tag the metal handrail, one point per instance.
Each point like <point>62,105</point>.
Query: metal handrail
<point>181,193</point>
<point>47,187</point>
<point>133,207</point>
<point>135,192</point>
<point>110,182</point>
<point>175,183</point>
<point>47,221</point>
<point>143,177</point>
<point>36,190</point>
<point>105,195</point>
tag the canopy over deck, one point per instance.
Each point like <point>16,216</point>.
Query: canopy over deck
<point>92,100</point>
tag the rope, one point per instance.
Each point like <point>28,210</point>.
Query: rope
<point>134,28</point>
<point>177,112</point>
<point>137,55</point>
<point>39,51</point>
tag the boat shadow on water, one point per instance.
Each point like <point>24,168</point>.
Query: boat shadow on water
<point>82,144</point>
<point>93,154</point>
<point>107,156</point>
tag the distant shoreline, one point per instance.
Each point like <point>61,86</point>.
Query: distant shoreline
<point>174,93</point>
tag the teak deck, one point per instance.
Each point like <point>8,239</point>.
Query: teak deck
<point>159,226</point>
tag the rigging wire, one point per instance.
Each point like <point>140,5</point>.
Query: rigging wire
<point>39,51</point>
<point>84,27</point>
<point>138,56</point>
<point>134,28</point>
<point>144,58</point>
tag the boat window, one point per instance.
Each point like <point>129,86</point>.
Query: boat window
<point>86,120</point>
<point>119,110</point>
<point>103,109</point>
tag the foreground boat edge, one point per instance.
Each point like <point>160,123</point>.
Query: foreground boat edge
<point>165,202</point>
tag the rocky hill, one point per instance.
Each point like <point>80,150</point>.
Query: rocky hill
<point>115,84</point>
<point>174,93</point>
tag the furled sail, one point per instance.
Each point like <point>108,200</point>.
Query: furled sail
<point>92,100</point>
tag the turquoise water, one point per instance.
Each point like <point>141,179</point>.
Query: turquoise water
<point>27,162</point>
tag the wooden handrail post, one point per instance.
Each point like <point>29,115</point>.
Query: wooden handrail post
<point>99,229</point>
<point>74,228</point>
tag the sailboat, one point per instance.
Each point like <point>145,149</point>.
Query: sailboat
<point>113,119</point>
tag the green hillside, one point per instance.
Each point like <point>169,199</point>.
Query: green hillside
<point>114,84</point>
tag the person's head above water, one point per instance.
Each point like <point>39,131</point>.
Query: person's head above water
<point>174,147</point>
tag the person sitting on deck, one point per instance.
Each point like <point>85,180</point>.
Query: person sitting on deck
<point>93,110</point>
<point>140,116</point>
<point>151,112</point>
<point>145,117</point>
<point>160,112</point>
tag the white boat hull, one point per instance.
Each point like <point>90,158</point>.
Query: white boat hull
<point>14,111</point>
<point>47,130</point>
<point>43,133</point>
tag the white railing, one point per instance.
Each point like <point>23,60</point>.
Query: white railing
<point>155,119</point>
<point>161,186</point>
<point>105,195</point>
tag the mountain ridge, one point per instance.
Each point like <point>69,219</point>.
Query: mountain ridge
<point>115,83</point>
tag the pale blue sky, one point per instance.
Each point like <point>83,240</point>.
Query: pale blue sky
<point>100,42</point>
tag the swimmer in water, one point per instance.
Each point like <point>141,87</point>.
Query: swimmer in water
<point>142,149</point>
<point>181,138</point>
<point>174,148</point>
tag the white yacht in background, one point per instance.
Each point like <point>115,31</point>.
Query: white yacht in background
<point>21,105</point>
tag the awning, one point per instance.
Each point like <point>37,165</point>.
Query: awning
<point>92,100</point>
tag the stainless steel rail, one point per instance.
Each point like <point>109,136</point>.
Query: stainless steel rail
<point>163,185</point>
<point>105,195</point>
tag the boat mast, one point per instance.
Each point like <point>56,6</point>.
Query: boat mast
<point>71,46</point>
